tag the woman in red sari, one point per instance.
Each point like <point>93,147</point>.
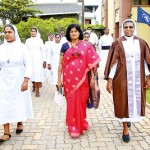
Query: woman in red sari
<point>77,58</point>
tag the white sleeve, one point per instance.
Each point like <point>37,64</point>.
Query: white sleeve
<point>146,68</point>
<point>96,39</point>
<point>27,62</point>
<point>43,51</point>
<point>49,55</point>
<point>26,43</point>
<point>113,70</point>
<point>91,39</point>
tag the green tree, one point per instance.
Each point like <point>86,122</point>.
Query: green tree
<point>45,27</point>
<point>15,10</point>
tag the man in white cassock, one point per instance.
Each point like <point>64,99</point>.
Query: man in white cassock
<point>104,45</point>
<point>15,72</point>
<point>37,51</point>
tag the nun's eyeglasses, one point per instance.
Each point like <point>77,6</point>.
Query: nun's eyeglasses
<point>128,27</point>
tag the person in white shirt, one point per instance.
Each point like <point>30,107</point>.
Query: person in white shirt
<point>105,43</point>
<point>37,51</point>
<point>63,38</point>
<point>93,37</point>
<point>15,72</point>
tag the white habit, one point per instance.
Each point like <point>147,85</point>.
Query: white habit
<point>53,59</point>
<point>37,51</point>
<point>15,64</point>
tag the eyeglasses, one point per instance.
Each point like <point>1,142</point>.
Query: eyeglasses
<point>128,27</point>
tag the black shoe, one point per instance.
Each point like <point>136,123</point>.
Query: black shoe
<point>126,138</point>
<point>3,140</point>
<point>18,131</point>
<point>128,124</point>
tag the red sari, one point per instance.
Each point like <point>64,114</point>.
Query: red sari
<point>78,60</point>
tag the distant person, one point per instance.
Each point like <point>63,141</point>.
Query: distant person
<point>105,43</point>
<point>128,76</point>
<point>63,38</point>
<point>93,37</point>
<point>53,59</point>
<point>86,36</point>
<point>37,51</point>
<point>48,44</point>
<point>15,73</point>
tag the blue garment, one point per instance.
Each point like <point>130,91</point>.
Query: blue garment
<point>64,47</point>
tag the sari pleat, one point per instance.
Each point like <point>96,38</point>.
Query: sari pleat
<point>78,60</point>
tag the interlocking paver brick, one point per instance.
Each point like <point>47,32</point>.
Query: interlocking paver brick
<point>47,131</point>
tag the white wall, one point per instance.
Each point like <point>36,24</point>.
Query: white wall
<point>87,2</point>
<point>54,1</point>
<point>92,2</point>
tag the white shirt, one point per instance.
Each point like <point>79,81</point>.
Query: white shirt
<point>93,38</point>
<point>105,40</point>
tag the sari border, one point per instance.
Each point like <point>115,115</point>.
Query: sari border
<point>84,77</point>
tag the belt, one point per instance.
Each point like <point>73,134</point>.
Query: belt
<point>105,47</point>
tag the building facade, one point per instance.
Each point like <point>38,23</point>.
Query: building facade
<point>69,8</point>
<point>121,10</point>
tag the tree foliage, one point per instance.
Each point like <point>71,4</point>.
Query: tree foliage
<point>97,26</point>
<point>45,27</point>
<point>15,10</point>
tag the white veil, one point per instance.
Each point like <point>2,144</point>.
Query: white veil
<point>37,33</point>
<point>17,38</point>
<point>135,27</point>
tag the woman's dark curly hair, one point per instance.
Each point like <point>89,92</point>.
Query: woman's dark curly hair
<point>77,28</point>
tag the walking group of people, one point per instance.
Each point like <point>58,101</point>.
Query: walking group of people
<point>127,73</point>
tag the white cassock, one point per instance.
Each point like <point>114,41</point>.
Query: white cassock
<point>37,50</point>
<point>132,53</point>
<point>15,64</point>
<point>105,40</point>
<point>53,59</point>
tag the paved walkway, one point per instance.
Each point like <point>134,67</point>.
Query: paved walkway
<point>48,131</point>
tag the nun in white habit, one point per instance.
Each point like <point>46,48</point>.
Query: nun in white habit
<point>128,76</point>
<point>15,72</point>
<point>53,55</point>
<point>37,50</point>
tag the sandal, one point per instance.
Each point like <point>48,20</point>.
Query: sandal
<point>18,131</point>
<point>3,140</point>
<point>37,94</point>
<point>74,135</point>
<point>73,132</point>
